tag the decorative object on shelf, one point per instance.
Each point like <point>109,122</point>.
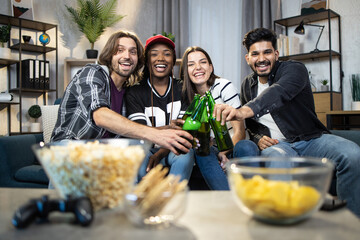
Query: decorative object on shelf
<point>6,97</point>
<point>313,6</point>
<point>35,112</point>
<point>4,35</point>
<point>355,90</point>
<point>313,87</point>
<point>26,38</point>
<point>92,18</point>
<point>301,30</point>
<point>22,9</point>
<point>44,39</point>
<point>324,87</point>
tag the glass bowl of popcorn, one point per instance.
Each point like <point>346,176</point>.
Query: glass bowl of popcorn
<point>103,170</point>
<point>279,190</point>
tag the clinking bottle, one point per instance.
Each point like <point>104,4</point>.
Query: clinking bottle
<point>193,123</point>
<point>192,107</point>
<point>203,134</point>
<point>221,132</point>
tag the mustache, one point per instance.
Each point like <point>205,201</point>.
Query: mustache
<point>266,62</point>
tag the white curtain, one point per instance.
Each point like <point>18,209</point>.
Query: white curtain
<point>214,26</point>
<point>219,27</point>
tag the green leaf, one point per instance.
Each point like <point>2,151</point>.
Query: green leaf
<point>93,18</point>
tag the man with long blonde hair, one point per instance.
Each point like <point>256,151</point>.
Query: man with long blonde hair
<point>92,106</point>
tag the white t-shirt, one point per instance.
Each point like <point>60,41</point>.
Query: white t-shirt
<point>224,91</point>
<point>267,119</point>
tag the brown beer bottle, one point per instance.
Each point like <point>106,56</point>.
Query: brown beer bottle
<point>221,132</point>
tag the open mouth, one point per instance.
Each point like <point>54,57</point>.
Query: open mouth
<point>160,67</point>
<point>125,65</point>
<point>262,65</point>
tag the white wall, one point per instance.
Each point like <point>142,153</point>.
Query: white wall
<point>350,42</point>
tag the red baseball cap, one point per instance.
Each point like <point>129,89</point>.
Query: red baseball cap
<point>159,39</point>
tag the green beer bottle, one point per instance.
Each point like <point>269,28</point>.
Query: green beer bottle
<point>203,134</point>
<point>192,107</point>
<point>193,123</point>
<point>222,136</point>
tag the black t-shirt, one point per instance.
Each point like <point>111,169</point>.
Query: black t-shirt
<point>139,107</point>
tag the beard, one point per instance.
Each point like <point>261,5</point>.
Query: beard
<point>257,72</point>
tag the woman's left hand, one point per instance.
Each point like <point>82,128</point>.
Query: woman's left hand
<point>223,159</point>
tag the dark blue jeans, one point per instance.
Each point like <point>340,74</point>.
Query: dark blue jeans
<point>211,170</point>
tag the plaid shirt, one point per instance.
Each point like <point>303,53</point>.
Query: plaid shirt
<point>88,90</point>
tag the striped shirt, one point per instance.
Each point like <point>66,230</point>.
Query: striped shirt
<point>224,91</point>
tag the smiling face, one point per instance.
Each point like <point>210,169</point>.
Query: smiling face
<point>125,59</point>
<point>160,61</point>
<point>199,70</point>
<point>261,58</point>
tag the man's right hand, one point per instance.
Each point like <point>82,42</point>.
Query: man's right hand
<point>174,140</point>
<point>266,142</point>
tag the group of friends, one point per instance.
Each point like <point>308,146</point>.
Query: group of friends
<point>132,93</point>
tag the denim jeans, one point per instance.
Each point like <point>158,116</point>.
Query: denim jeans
<point>211,170</point>
<point>179,164</point>
<point>343,153</point>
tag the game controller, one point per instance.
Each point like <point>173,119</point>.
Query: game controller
<point>40,208</point>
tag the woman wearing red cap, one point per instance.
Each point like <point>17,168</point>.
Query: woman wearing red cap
<point>156,102</point>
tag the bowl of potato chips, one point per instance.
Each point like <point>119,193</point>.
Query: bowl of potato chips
<point>103,170</point>
<point>279,190</point>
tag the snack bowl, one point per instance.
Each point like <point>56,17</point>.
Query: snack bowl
<point>277,190</point>
<point>158,200</point>
<point>158,216</point>
<point>103,170</point>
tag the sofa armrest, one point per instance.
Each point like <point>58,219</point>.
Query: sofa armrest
<point>352,135</point>
<point>15,153</point>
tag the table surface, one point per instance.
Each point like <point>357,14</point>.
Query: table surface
<point>209,215</point>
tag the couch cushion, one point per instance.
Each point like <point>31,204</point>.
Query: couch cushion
<point>33,173</point>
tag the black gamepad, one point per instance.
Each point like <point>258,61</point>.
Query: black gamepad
<point>40,208</point>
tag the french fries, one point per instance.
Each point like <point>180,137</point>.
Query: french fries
<point>155,190</point>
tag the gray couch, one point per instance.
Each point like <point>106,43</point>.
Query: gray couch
<point>19,167</point>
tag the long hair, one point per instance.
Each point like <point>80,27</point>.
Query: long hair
<point>110,50</point>
<point>189,88</point>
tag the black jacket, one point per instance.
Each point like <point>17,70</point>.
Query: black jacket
<point>288,99</point>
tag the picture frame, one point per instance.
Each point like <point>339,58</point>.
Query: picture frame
<point>22,9</point>
<point>313,6</point>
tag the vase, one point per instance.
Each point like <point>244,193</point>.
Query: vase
<point>35,127</point>
<point>324,88</point>
<point>5,53</point>
<point>91,53</point>
<point>355,106</point>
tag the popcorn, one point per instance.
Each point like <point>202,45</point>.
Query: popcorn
<point>102,172</point>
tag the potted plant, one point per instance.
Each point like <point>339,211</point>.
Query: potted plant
<point>92,18</point>
<point>4,34</point>
<point>35,112</point>
<point>4,37</point>
<point>355,91</point>
<point>324,87</point>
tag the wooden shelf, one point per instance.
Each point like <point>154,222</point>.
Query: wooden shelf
<point>32,48</point>
<point>25,23</point>
<point>17,90</point>
<point>311,55</point>
<point>6,62</point>
<point>292,21</point>
<point>70,63</point>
